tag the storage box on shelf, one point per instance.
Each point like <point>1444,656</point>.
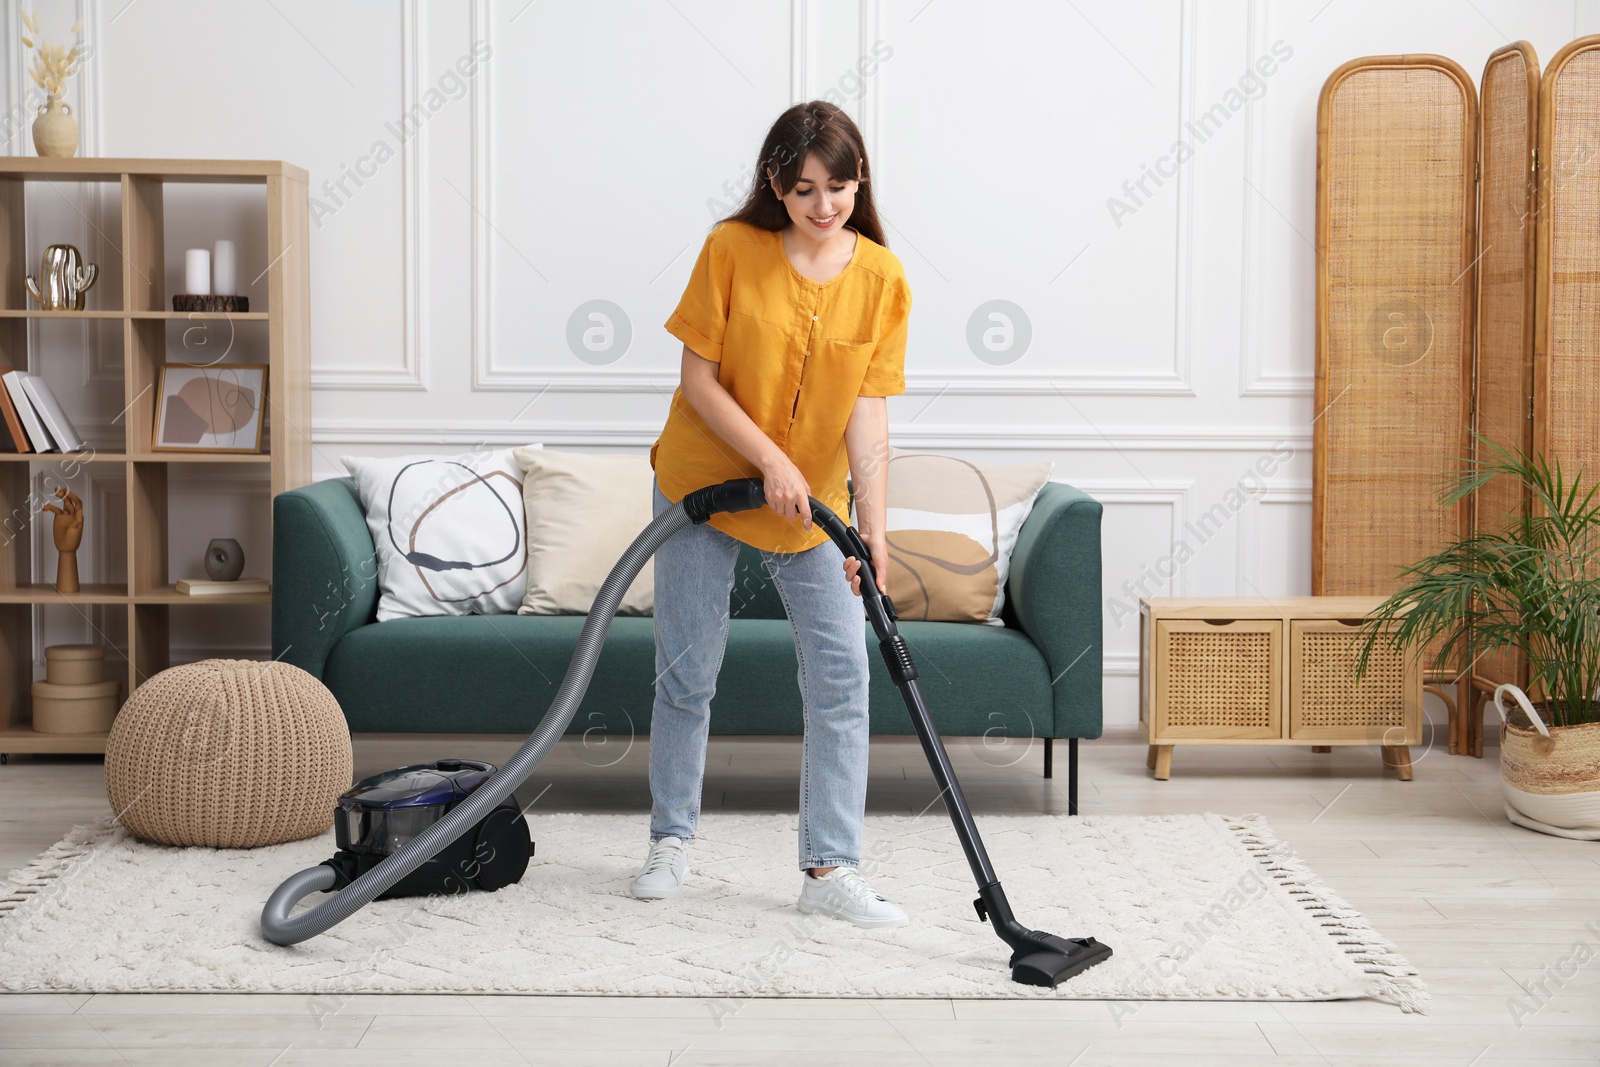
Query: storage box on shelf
<point>1252,671</point>
<point>149,593</point>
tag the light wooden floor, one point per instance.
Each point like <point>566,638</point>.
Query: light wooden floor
<point>1485,910</point>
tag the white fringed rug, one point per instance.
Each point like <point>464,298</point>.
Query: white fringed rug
<point>1195,907</point>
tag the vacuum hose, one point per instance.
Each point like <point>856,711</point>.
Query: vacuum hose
<point>281,928</point>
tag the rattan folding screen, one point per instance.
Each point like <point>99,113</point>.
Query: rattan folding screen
<point>1566,379</point>
<point>1396,251</point>
<point>1444,308</point>
<point>1507,211</point>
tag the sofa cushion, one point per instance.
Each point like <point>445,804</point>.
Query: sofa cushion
<point>499,674</point>
<point>448,531</point>
<point>951,526</point>
<point>583,512</point>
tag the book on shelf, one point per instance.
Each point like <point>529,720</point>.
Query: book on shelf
<point>38,436</point>
<point>18,435</point>
<point>208,587</point>
<point>48,408</point>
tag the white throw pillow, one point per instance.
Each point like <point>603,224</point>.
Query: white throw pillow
<point>450,532</point>
<point>583,512</point>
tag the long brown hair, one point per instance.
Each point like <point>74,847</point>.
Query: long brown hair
<point>826,131</point>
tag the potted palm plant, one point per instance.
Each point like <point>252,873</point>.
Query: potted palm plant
<point>1532,586</point>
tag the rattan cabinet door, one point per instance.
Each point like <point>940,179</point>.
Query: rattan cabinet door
<point>1327,704</point>
<point>1217,679</point>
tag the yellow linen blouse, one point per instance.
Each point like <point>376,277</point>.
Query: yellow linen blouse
<point>795,353</point>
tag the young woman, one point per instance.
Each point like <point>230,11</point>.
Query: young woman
<point>794,330</point>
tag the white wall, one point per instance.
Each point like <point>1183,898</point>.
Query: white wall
<point>1171,345</point>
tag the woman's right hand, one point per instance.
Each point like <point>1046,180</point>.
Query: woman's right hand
<point>786,490</point>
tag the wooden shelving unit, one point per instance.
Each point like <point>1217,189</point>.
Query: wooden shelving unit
<point>149,595</point>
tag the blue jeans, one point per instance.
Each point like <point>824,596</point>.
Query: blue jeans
<point>693,582</point>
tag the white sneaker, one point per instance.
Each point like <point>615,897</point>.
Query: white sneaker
<point>844,894</point>
<point>661,877</point>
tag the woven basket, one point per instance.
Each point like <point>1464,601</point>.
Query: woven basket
<point>228,754</point>
<point>1550,776</point>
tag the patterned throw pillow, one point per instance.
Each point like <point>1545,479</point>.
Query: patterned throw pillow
<point>951,526</point>
<point>449,531</point>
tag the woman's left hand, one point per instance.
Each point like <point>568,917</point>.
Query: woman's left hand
<point>880,567</point>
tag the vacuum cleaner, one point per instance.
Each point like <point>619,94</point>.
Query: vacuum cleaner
<point>381,813</point>
<point>1037,958</point>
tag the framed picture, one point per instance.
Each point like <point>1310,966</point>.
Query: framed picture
<point>211,408</point>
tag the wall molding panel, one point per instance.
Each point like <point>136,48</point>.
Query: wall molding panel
<point>1256,379</point>
<point>1174,495</point>
<point>1250,548</point>
<point>491,376</point>
<point>799,39</point>
<point>443,432</point>
<point>412,374</point>
<point>1120,665</point>
<point>1117,658</point>
<point>947,383</point>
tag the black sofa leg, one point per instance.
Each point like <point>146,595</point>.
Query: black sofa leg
<point>1072,770</point>
<point>1072,776</point>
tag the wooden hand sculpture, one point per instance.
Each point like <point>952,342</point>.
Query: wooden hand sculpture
<point>68,536</point>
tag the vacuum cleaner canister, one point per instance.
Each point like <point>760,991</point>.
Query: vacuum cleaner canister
<point>380,814</point>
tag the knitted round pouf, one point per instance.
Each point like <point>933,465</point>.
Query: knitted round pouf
<point>228,753</point>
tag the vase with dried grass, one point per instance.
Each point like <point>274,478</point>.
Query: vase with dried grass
<point>55,131</point>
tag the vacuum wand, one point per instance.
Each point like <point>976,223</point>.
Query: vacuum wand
<point>1037,958</point>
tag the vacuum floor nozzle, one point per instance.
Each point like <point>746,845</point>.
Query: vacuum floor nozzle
<point>1050,968</point>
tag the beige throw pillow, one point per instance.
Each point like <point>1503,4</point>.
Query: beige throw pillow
<point>583,512</point>
<point>951,526</point>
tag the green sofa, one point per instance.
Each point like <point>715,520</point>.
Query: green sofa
<point>1038,676</point>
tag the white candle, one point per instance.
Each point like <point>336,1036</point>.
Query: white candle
<point>224,269</point>
<point>197,271</point>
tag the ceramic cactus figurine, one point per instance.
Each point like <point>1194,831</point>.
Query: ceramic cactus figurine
<point>66,278</point>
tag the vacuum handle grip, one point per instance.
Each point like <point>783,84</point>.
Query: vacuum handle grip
<point>736,494</point>
<point>880,609</point>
